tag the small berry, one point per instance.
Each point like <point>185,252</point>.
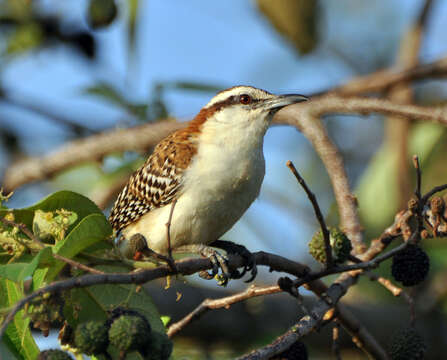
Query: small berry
<point>340,244</point>
<point>54,354</point>
<point>410,266</point>
<point>297,351</point>
<point>407,345</point>
<point>91,338</point>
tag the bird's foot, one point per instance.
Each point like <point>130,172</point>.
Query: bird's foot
<point>139,251</point>
<point>217,260</point>
<point>249,258</point>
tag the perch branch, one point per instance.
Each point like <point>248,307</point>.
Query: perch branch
<point>189,267</point>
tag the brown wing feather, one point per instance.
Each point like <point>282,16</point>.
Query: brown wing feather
<point>157,182</point>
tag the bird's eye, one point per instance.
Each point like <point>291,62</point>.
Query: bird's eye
<point>245,99</point>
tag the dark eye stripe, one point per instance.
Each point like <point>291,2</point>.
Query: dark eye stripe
<point>231,100</point>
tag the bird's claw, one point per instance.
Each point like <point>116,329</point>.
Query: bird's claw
<point>249,258</point>
<point>217,261</point>
<point>220,261</point>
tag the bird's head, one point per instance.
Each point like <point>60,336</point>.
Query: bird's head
<point>244,107</point>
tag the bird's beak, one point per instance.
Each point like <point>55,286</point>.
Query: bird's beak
<point>280,101</point>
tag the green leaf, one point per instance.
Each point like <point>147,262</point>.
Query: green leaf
<point>39,277</point>
<point>67,200</point>
<point>20,271</point>
<point>18,332</point>
<point>92,229</point>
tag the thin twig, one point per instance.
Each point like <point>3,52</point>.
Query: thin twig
<point>417,166</point>
<point>313,129</point>
<point>420,204</point>
<point>225,302</point>
<point>336,340</point>
<point>318,214</point>
<point>24,229</point>
<point>396,291</point>
<point>433,191</point>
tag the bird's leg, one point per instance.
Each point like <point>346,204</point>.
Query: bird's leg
<point>250,260</point>
<point>139,249</point>
<point>217,260</point>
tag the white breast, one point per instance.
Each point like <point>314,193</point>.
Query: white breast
<point>222,181</point>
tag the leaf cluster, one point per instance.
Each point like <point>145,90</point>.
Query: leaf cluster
<point>37,244</point>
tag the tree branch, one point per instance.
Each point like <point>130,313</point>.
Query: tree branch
<point>382,80</point>
<point>306,325</point>
<point>189,267</point>
<point>91,148</point>
<point>313,129</point>
<point>143,137</point>
<point>184,267</point>
<point>225,302</point>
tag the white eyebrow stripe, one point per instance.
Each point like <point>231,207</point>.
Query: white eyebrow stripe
<point>236,91</point>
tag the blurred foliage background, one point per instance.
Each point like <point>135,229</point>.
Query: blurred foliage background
<point>70,69</point>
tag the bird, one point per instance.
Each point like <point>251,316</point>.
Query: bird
<point>200,179</point>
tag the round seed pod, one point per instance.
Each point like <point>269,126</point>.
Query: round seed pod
<point>54,354</point>
<point>340,244</point>
<point>91,338</point>
<point>407,345</point>
<point>130,333</point>
<point>410,266</point>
